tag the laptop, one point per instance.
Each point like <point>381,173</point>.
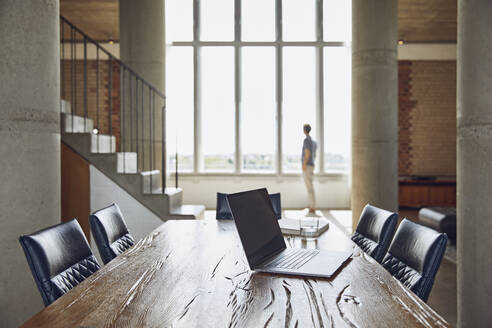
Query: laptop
<point>264,244</point>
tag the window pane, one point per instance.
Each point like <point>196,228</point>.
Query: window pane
<point>337,91</point>
<point>337,20</point>
<point>217,20</point>
<point>179,20</point>
<point>179,107</point>
<point>298,20</point>
<point>258,100</point>
<point>299,103</point>
<point>258,20</point>
<point>218,108</point>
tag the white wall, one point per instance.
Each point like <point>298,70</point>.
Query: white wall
<point>140,220</point>
<point>427,51</point>
<point>331,191</point>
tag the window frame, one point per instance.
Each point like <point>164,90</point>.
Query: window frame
<point>319,44</point>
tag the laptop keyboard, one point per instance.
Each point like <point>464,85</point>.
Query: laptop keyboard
<point>292,258</point>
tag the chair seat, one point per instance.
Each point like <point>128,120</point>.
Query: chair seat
<point>366,244</point>
<point>123,243</point>
<point>77,273</point>
<point>404,273</point>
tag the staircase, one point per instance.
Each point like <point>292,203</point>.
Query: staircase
<point>121,168</point>
<point>117,134</point>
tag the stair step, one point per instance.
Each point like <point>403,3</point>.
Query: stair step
<point>151,182</point>
<point>126,162</point>
<point>195,211</point>
<point>103,144</point>
<point>171,192</point>
<point>65,106</point>
<point>76,124</point>
<point>175,196</point>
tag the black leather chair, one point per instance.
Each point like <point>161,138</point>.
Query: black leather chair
<point>224,211</point>
<point>415,256</point>
<point>110,232</point>
<point>60,258</point>
<point>375,230</point>
<point>277,205</point>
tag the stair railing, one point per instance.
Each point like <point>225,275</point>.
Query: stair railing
<point>118,106</point>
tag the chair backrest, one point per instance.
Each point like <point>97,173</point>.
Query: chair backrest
<point>224,211</point>
<point>277,205</point>
<point>375,230</point>
<point>110,232</point>
<point>59,257</point>
<point>415,256</point>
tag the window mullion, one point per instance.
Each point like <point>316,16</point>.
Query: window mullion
<point>278,51</point>
<point>237,84</point>
<point>197,144</point>
<point>320,86</point>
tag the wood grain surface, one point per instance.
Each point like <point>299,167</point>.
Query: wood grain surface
<point>75,189</point>
<point>418,20</point>
<point>195,274</point>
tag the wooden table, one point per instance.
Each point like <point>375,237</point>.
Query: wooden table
<point>194,274</point>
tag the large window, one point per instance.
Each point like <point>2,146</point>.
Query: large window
<point>299,102</point>
<point>217,107</point>
<point>179,113</point>
<point>243,76</point>
<point>258,109</point>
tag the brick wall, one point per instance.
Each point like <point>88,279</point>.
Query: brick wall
<point>98,106</point>
<point>427,118</point>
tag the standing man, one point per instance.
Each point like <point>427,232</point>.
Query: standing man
<point>308,156</point>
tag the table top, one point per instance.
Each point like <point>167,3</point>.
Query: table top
<point>195,274</point>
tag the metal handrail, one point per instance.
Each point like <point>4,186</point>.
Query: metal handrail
<point>88,38</point>
<point>135,110</point>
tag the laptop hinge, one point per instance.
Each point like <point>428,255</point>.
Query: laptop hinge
<point>268,257</point>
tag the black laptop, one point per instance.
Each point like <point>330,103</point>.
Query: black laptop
<point>264,244</point>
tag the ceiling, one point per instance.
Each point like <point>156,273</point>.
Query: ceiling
<point>427,20</point>
<point>97,18</point>
<point>418,20</point>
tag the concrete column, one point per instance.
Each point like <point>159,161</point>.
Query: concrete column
<point>142,38</point>
<point>30,144</point>
<point>474,163</point>
<point>142,47</point>
<point>374,105</point>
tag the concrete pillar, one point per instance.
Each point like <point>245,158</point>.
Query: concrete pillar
<point>142,47</point>
<point>474,163</point>
<point>30,144</point>
<point>374,105</point>
<point>142,38</point>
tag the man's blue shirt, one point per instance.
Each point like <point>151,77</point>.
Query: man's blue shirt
<point>311,145</point>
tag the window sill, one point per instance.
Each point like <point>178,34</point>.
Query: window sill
<point>336,176</point>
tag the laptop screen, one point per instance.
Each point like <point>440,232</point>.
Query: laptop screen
<point>256,224</point>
